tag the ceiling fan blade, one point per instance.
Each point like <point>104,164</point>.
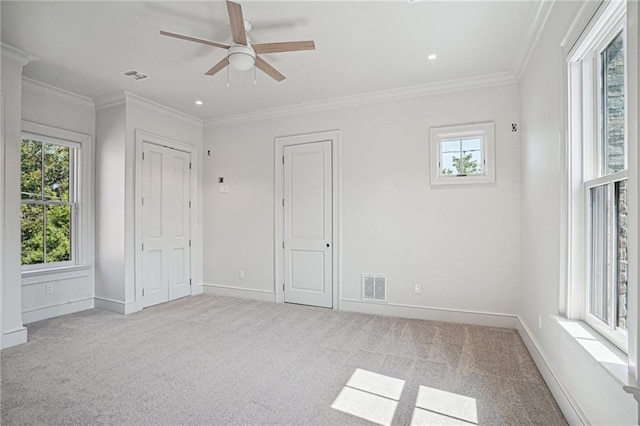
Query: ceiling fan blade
<point>268,69</point>
<point>287,46</point>
<point>195,39</point>
<point>237,22</point>
<point>217,67</point>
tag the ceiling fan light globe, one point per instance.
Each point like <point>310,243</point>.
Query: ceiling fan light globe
<point>241,61</point>
<point>241,58</point>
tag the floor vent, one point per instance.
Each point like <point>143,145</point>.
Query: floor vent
<point>374,288</point>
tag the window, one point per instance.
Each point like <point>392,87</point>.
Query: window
<point>49,204</point>
<point>462,154</point>
<point>597,103</point>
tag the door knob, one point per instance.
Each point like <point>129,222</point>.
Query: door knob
<point>327,244</point>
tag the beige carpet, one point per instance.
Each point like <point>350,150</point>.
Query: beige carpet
<point>215,360</point>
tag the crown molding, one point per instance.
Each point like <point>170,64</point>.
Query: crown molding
<point>531,38</point>
<point>133,98</point>
<point>62,94</point>
<point>366,98</point>
<point>124,97</point>
<point>19,55</point>
<point>108,101</point>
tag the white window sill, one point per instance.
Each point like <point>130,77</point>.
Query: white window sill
<point>612,359</point>
<point>36,276</point>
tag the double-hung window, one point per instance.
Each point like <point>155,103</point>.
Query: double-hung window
<point>599,142</point>
<point>49,205</point>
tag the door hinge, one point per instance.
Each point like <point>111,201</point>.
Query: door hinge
<point>283,244</point>
<point>143,155</point>
<point>189,243</point>
<point>282,286</point>
<point>283,159</point>
<point>189,165</point>
<point>143,291</point>
<point>143,201</point>
<point>189,204</point>
<point>283,202</point>
<point>142,246</point>
<point>189,281</point>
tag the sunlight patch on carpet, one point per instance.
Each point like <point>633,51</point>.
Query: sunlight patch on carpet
<point>370,396</point>
<point>438,407</point>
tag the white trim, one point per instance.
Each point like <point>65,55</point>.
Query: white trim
<point>579,24</point>
<point>561,394</point>
<point>243,293</point>
<point>38,276</point>
<point>489,319</point>
<point>142,136</point>
<point>530,41</point>
<point>18,54</point>
<point>13,338</point>
<point>55,132</point>
<point>335,137</point>
<point>3,191</point>
<point>124,97</point>
<point>448,86</point>
<point>62,94</point>
<point>116,306</point>
<point>56,309</point>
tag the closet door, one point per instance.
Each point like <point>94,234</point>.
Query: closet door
<point>166,227</point>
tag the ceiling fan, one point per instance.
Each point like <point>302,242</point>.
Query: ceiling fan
<point>241,54</point>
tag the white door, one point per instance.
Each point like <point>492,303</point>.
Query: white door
<point>166,253</point>
<point>308,224</point>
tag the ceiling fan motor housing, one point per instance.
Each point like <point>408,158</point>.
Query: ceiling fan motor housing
<point>241,57</point>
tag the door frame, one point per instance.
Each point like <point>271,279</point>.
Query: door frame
<point>195,230</point>
<point>334,136</point>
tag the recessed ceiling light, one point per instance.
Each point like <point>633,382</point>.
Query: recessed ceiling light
<point>198,102</point>
<point>432,56</point>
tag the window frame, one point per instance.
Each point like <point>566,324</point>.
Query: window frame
<point>75,167</point>
<point>587,168</point>
<point>483,130</point>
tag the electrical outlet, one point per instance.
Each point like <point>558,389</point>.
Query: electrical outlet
<point>417,289</point>
<point>49,288</point>
<point>241,274</point>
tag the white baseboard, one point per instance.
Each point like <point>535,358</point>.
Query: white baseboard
<point>13,338</point>
<point>116,306</point>
<point>246,293</point>
<point>432,314</point>
<point>57,309</point>
<point>563,397</point>
<point>196,289</point>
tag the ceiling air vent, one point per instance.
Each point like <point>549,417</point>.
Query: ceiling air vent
<point>136,75</point>
<point>374,288</point>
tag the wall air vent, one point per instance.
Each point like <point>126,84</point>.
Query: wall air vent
<point>374,288</point>
<point>136,75</point>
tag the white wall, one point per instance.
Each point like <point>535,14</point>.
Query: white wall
<point>72,290</point>
<point>13,332</point>
<point>460,243</point>
<point>115,192</point>
<point>593,391</point>
<point>110,204</point>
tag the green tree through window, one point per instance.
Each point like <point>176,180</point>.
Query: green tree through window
<point>48,202</point>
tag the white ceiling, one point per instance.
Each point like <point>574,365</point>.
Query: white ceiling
<point>360,47</point>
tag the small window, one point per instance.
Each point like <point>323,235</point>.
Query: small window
<point>462,154</point>
<point>49,202</point>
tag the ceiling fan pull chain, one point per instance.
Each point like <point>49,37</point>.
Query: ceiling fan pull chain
<point>228,76</point>
<point>255,76</point>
